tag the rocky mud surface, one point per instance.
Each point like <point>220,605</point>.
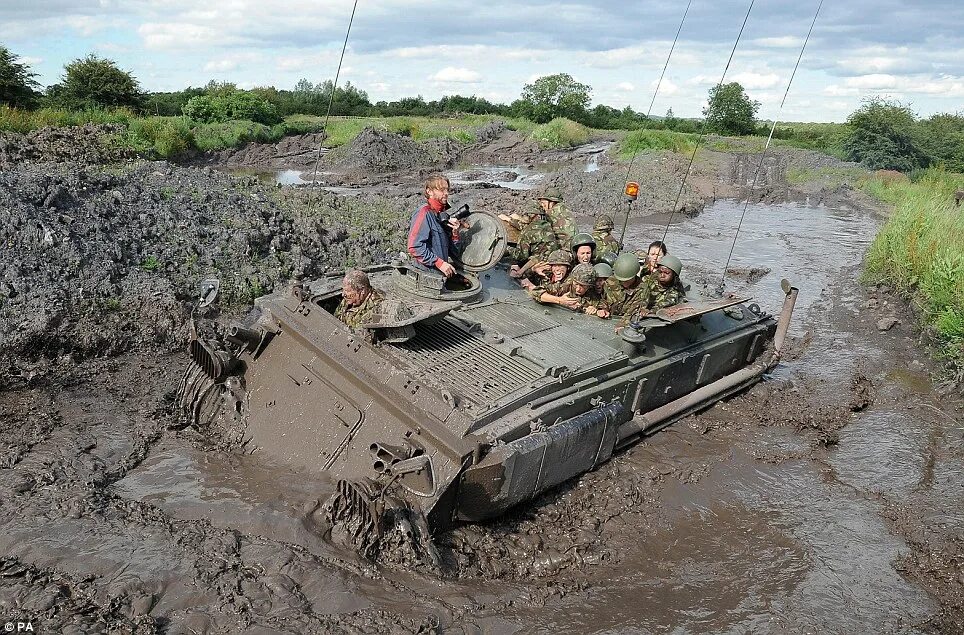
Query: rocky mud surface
<point>828,498</point>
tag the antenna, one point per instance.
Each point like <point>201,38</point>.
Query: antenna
<point>331,99</point>
<point>659,83</point>
<point>699,139</point>
<point>767,146</point>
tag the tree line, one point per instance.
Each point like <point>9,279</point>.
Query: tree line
<point>881,134</point>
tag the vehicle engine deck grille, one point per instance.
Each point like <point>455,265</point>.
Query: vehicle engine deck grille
<point>511,320</point>
<point>473,368</point>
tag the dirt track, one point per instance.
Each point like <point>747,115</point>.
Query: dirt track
<point>829,498</point>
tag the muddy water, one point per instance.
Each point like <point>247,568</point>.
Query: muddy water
<point>768,513</point>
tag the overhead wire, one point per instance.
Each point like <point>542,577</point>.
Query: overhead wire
<point>331,100</point>
<point>759,166</point>
<point>659,83</point>
<point>699,139</point>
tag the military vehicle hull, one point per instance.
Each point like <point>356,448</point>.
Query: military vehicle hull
<point>471,405</point>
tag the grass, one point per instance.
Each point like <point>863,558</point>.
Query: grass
<point>831,177</point>
<point>644,139</point>
<point>920,251</point>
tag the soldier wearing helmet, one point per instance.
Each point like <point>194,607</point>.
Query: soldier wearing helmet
<point>606,243</point>
<point>550,274</point>
<point>558,215</point>
<point>662,288</point>
<point>603,273</point>
<point>583,248</point>
<point>649,257</point>
<point>621,290</point>
<point>577,293</point>
<point>536,241</point>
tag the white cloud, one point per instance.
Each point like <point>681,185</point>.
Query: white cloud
<point>325,60</point>
<point>30,61</point>
<point>784,42</point>
<point>456,75</point>
<point>751,81</point>
<point>628,87</point>
<point>874,82</point>
<point>177,36</point>
<point>219,66</point>
<point>666,88</point>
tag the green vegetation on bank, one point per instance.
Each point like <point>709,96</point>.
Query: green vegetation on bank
<point>920,251</point>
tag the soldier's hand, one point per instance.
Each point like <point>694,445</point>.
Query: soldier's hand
<point>447,270</point>
<point>590,310</point>
<point>569,302</point>
<point>515,271</point>
<point>603,313</point>
<point>541,268</point>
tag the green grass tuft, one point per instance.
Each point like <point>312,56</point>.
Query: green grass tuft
<point>561,133</point>
<point>643,140</point>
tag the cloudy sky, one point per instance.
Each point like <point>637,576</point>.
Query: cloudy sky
<point>906,50</point>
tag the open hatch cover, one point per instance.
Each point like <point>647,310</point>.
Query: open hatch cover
<point>484,242</point>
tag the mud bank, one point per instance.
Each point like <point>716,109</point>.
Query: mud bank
<point>828,498</point>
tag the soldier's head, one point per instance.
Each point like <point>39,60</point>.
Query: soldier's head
<point>559,262</point>
<point>355,287</point>
<point>626,269</point>
<point>437,188</point>
<point>549,198</point>
<point>583,246</point>
<point>603,272</point>
<point>603,225</point>
<point>583,278</point>
<point>668,269</point>
<point>656,249</point>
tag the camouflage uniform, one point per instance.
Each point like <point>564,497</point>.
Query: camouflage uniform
<point>354,316</point>
<point>536,240</point>
<point>591,299</point>
<point>552,288</point>
<point>605,243</point>
<point>655,296</point>
<point>618,298</point>
<point>562,224</point>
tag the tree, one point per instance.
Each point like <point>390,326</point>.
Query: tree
<point>94,82</point>
<point>882,137</point>
<point>17,85</point>
<point>730,111</point>
<point>554,96</point>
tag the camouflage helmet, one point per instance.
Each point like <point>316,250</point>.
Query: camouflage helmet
<point>581,239</point>
<point>551,194</point>
<point>672,262</point>
<point>560,257</point>
<point>626,266</point>
<point>583,274</point>
<point>603,270</point>
<point>604,224</point>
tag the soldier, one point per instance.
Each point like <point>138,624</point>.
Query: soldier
<point>577,293</point>
<point>536,241</point>
<point>648,259</point>
<point>552,273</point>
<point>583,248</point>
<point>605,241</point>
<point>359,301</point>
<point>558,215</point>
<point>603,273</point>
<point>621,290</point>
<point>662,289</point>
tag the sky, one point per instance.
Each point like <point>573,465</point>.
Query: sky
<point>902,50</point>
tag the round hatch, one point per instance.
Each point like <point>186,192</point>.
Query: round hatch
<point>483,242</point>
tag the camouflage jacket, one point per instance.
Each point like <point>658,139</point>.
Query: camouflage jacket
<point>562,224</point>
<point>536,240</point>
<point>355,316</point>
<point>618,298</point>
<point>567,287</point>
<point>605,243</point>
<point>656,296</point>
<point>552,288</point>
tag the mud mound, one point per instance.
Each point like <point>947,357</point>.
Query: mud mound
<point>84,144</point>
<point>290,152</point>
<point>379,151</point>
<point>93,262</point>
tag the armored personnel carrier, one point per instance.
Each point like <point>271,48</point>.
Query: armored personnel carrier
<point>463,397</point>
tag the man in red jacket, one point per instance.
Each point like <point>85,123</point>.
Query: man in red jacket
<point>430,242</point>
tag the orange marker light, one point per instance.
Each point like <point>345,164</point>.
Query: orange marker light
<point>632,190</point>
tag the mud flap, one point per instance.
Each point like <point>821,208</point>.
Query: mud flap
<point>524,468</point>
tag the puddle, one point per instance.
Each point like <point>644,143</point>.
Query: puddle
<point>511,177</point>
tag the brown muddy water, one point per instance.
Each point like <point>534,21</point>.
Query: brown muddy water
<point>771,512</point>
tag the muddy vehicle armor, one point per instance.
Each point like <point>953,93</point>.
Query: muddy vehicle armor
<point>463,397</point>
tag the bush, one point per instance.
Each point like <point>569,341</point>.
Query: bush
<point>229,106</point>
<point>94,82</point>
<point>167,137</point>
<point>641,140</point>
<point>230,134</point>
<point>200,108</point>
<point>561,133</point>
